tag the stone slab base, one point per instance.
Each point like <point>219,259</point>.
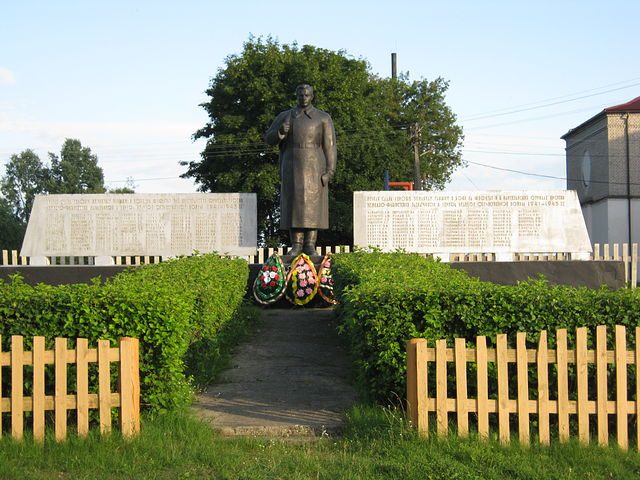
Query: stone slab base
<point>61,274</point>
<point>590,274</point>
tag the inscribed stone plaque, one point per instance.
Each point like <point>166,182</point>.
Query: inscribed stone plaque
<point>141,224</point>
<point>471,222</point>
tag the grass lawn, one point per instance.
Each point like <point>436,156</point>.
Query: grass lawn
<point>376,444</point>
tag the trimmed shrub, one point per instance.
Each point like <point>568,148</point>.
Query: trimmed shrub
<point>168,306</point>
<point>389,298</point>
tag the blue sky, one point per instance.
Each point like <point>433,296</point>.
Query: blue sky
<point>126,78</point>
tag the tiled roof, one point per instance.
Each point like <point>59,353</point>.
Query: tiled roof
<point>630,106</point>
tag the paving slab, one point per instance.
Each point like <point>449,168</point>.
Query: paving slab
<point>290,378</point>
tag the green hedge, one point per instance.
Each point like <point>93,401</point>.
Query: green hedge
<point>170,307</point>
<point>386,299</point>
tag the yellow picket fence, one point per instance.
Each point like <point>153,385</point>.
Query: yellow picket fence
<point>588,367</point>
<point>264,253</point>
<point>126,397</point>
<point>12,257</point>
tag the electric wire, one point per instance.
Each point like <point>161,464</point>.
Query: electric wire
<point>550,104</point>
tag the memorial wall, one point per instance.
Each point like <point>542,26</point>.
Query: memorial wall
<point>503,223</point>
<point>141,224</point>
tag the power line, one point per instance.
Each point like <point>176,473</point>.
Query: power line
<point>553,177</point>
<point>498,152</point>
<point>541,154</point>
<point>556,98</point>
<point>532,119</point>
<point>141,179</point>
<point>550,104</point>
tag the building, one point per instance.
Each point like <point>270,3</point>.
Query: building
<point>603,166</point>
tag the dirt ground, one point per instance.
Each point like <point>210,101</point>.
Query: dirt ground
<point>290,378</point>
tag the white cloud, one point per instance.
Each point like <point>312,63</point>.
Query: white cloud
<point>7,77</point>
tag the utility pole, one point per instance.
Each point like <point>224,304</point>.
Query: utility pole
<point>394,66</point>
<point>415,139</point>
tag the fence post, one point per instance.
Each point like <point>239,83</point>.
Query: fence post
<point>38,388</point>
<point>104,386</point>
<point>441,387</point>
<point>563,385</point>
<point>522,365</point>
<point>503,388</point>
<point>82,385</point>
<point>583,388</point>
<point>60,399</point>
<point>461,386</point>
<point>626,261</point>
<point>417,384</point>
<point>601,385</point>
<point>543,388</point>
<point>621,388</point>
<point>129,387</point>
<point>1,380</point>
<point>634,265</point>
<point>483,387</point>
<point>637,365</point>
<point>17,386</point>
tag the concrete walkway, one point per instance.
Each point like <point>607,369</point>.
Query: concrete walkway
<point>290,378</point>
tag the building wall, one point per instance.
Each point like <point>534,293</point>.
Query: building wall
<point>587,156</point>
<point>618,154</point>
<point>598,150</point>
<point>607,220</point>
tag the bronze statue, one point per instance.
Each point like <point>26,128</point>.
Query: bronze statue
<point>308,157</point>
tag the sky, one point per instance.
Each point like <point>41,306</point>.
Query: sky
<point>126,78</point>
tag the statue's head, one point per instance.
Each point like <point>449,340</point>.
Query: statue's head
<point>304,94</point>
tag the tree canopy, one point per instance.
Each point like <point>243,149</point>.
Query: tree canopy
<point>371,115</point>
<point>11,229</point>
<point>25,177</point>
<point>75,170</point>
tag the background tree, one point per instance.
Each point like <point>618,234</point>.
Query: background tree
<point>25,177</point>
<point>76,170</point>
<point>129,187</point>
<point>371,115</point>
<point>11,228</point>
<point>121,190</point>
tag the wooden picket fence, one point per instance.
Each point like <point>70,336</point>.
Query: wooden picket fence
<point>264,253</point>
<point>561,403</point>
<point>11,257</point>
<point>126,397</point>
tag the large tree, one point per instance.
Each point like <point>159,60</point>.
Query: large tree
<point>372,118</point>
<point>76,170</point>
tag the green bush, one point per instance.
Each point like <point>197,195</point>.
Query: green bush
<point>386,299</point>
<point>169,307</point>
